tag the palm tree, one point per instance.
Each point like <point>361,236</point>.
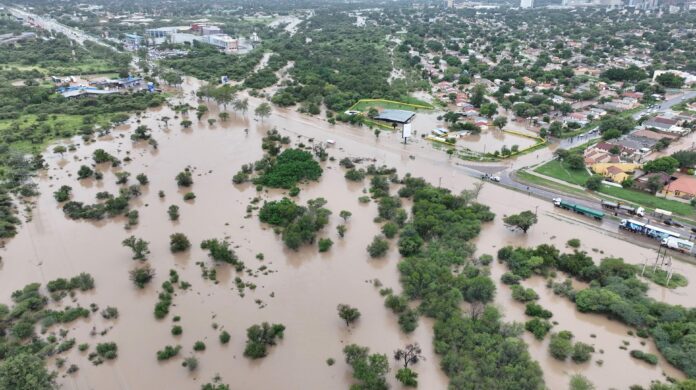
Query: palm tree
<point>166,119</point>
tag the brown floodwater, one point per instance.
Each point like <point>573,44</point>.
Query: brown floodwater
<point>304,287</point>
<point>488,141</point>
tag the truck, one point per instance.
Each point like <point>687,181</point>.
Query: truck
<point>678,244</point>
<point>639,211</point>
<point>662,214</point>
<point>586,211</point>
<point>646,229</point>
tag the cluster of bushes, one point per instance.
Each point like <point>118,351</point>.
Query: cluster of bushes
<point>561,347</point>
<point>434,242</point>
<point>615,291</point>
<point>111,207</point>
<point>292,166</point>
<point>221,251</point>
<point>59,287</point>
<point>298,225</point>
<point>260,337</point>
<point>408,317</point>
<point>644,356</point>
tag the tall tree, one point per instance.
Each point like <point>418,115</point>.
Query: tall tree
<point>263,111</point>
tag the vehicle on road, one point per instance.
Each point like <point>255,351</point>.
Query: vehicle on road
<point>586,211</point>
<point>646,229</point>
<point>490,177</point>
<point>662,214</point>
<point>639,211</point>
<point>678,244</point>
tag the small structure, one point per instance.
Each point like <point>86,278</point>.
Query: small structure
<point>81,90</point>
<point>133,40</point>
<point>399,117</point>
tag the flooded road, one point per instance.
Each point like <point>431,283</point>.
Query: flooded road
<point>298,289</point>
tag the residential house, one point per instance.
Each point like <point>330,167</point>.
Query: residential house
<point>624,152</point>
<point>594,156</point>
<point>644,133</point>
<point>665,125</point>
<point>616,172</point>
<point>683,187</point>
<point>641,182</point>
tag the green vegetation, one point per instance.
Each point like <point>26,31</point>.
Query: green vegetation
<point>220,251</point>
<point>224,337</point>
<point>168,352</point>
<point>325,244</point>
<point>370,370</point>
<point>646,357</point>
<point>140,247</point>
<point>178,242</point>
<point>616,292</point>
<point>561,345</point>
<point>522,221</point>
<point>289,168</point>
<point>298,225</point>
<point>378,247</point>
<point>347,313</point>
<point>433,243</point>
<point>260,337</point>
<point>561,171</point>
<point>141,276</point>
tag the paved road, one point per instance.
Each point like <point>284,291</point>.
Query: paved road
<point>667,104</point>
<point>53,25</point>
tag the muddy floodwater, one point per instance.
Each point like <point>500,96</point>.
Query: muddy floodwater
<point>489,140</point>
<point>302,288</point>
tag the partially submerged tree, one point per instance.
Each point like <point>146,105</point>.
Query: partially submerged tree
<point>348,313</point>
<point>410,354</point>
<point>139,247</point>
<point>522,221</point>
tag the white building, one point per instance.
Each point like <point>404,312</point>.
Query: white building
<point>526,3</point>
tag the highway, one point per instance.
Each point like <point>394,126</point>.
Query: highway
<point>52,25</point>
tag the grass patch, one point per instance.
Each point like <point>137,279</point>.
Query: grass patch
<point>559,170</point>
<point>69,125</point>
<point>413,104</point>
<point>541,182</point>
<point>660,277</point>
<point>649,201</point>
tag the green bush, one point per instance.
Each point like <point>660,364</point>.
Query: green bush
<point>644,356</point>
<point>378,247</point>
<point>199,346</point>
<point>561,345</point>
<point>168,352</point>
<point>539,328</point>
<point>535,310</point>
<point>325,244</point>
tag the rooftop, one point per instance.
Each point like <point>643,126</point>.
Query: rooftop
<point>396,116</point>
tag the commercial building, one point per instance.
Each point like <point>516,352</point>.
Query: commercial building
<point>526,3</point>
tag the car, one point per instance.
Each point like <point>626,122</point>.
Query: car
<point>495,178</point>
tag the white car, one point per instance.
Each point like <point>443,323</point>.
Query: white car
<point>495,178</point>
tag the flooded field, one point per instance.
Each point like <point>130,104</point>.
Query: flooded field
<point>304,287</point>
